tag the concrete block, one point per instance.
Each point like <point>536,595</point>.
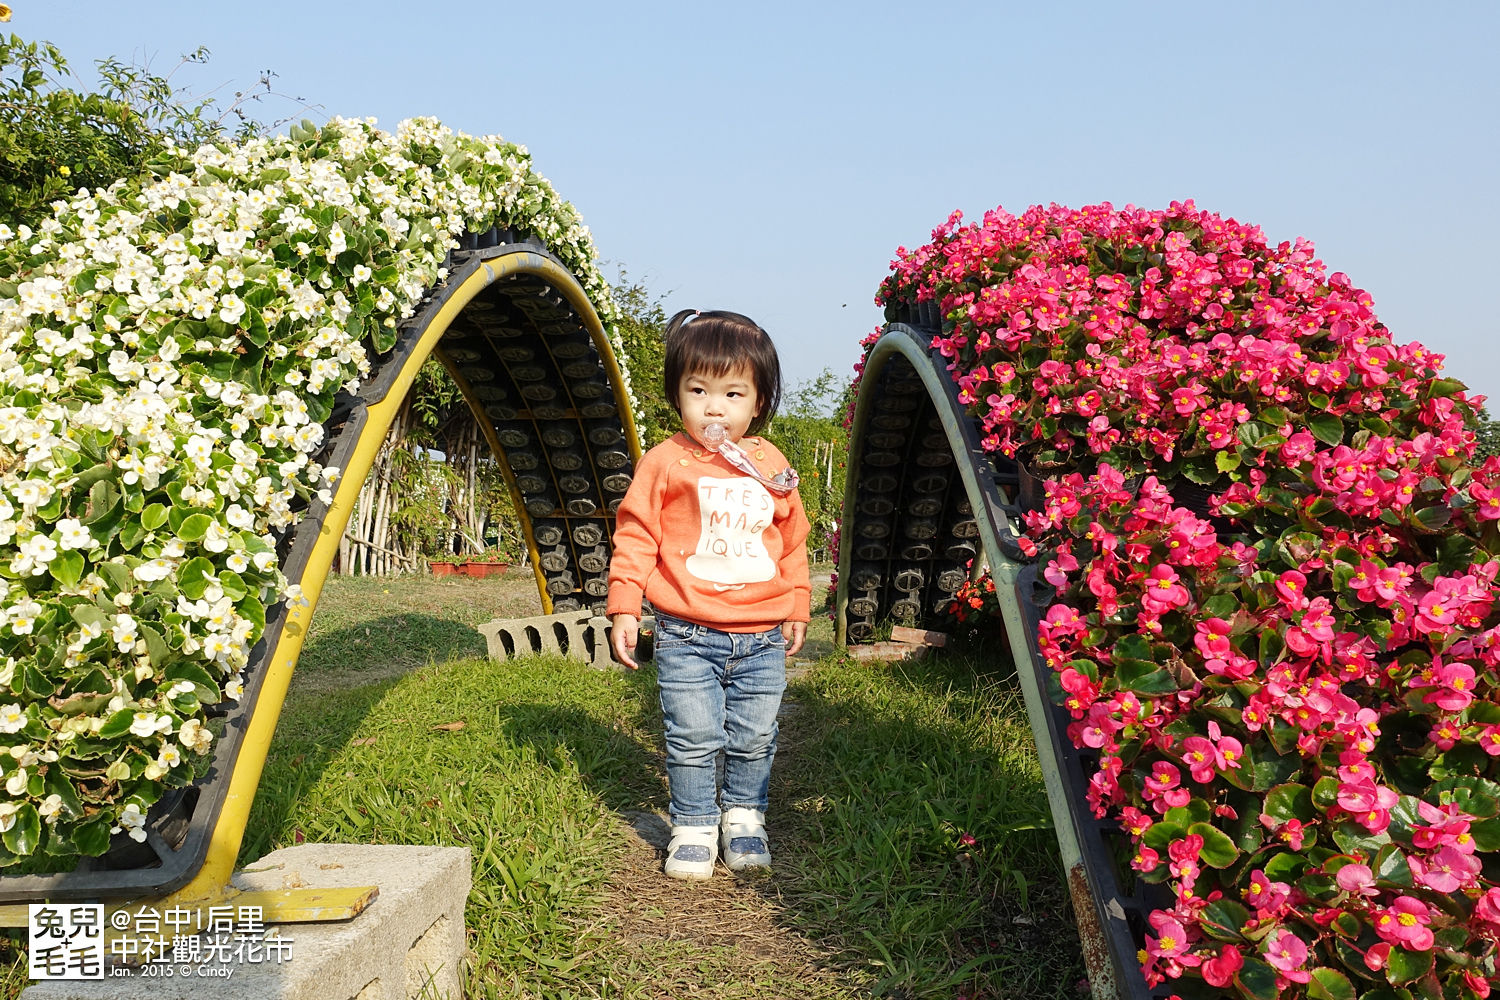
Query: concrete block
<point>578,635</point>
<point>408,944</point>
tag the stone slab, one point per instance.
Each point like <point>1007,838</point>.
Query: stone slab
<point>409,943</point>
<point>578,635</point>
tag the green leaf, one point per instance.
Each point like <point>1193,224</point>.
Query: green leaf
<point>26,832</point>
<point>1330,984</point>
<point>233,585</point>
<point>1432,518</point>
<point>67,567</point>
<point>1326,427</point>
<point>194,527</point>
<point>1227,461</point>
<point>1223,919</point>
<point>1290,801</point>
<point>156,646</point>
<point>154,516</point>
<point>1257,980</point>
<point>1143,677</point>
<point>1479,797</point>
<point>1218,849</point>
<point>1390,867</point>
<point>1404,966</point>
<point>92,838</point>
<point>104,501</point>
<point>131,534</point>
<point>194,575</point>
<point>117,725</point>
<point>207,689</point>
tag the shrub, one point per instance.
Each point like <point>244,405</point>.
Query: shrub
<point>1274,554</point>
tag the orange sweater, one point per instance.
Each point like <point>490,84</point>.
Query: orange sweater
<point>708,544</point>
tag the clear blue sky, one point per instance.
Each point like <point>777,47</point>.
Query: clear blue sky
<point>770,157</point>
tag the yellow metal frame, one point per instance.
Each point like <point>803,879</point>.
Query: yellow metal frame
<point>212,882</point>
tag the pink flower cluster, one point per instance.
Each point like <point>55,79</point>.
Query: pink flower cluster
<point>1293,692</point>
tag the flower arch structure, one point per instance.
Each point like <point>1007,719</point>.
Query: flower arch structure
<point>1250,592</point>
<point>199,369</point>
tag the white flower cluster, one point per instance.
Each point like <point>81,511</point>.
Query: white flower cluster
<point>169,348</point>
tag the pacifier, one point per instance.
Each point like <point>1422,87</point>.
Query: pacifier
<point>714,435</point>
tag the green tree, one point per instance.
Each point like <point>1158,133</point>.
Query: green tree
<point>57,136</point>
<point>809,430</point>
<point>643,324</point>
<point>1488,432</point>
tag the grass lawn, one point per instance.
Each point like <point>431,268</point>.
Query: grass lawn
<point>908,820</point>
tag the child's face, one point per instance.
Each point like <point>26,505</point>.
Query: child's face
<point>729,399</point>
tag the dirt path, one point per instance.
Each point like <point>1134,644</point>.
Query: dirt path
<point>736,926</point>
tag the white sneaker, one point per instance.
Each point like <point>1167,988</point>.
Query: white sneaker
<point>742,833</point>
<point>691,852</point>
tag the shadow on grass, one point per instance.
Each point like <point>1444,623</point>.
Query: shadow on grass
<point>611,762</point>
<point>299,755</point>
<point>883,773</point>
<point>914,826</point>
<point>401,640</point>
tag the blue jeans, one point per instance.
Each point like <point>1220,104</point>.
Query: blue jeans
<point>719,691</point>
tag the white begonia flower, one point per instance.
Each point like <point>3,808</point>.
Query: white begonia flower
<point>170,756</point>
<point>195,736</point>
<point>149,724</point>
<point>32,492</point>
<point>74,534</point>
<point>216,538</point>
<point>50,808</point>
<point>155,569</point>
<point>8,812</point>
<point>40,550</point>
<point>16,783</point>
<point>124,633</point>
<point>133,821</point>
<point>12,718</point>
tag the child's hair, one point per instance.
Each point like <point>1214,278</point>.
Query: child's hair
<point>715,343</point>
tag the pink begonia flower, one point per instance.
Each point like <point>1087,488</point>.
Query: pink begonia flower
<point>1221,970</point>
<point>1163,590</point>
<point>1404,923</point>
<point>1212,638</point>
<point>1146,859</point>
<point>1477,982</point>
<point>1456,687</point>
<point>1171,940</point>
<point>1378,956</point>
<point>1264,895</point>
<point>1287,953</point>
<point>1487,912</point>
<point>1201,757</point>
<point>1445,870</point>
<point>1291,587</point>
<point>1298,448</point>
<point>1357,879</point>
<point>1058,568</point>
<point>1489,740</point>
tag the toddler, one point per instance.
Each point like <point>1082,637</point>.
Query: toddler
<point>713,533</point>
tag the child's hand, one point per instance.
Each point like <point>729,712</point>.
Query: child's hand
<point>795,634</point>
<point>622,639</point>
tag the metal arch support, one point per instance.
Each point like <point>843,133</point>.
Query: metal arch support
<point>197,868</point>
<point>901,347</point>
